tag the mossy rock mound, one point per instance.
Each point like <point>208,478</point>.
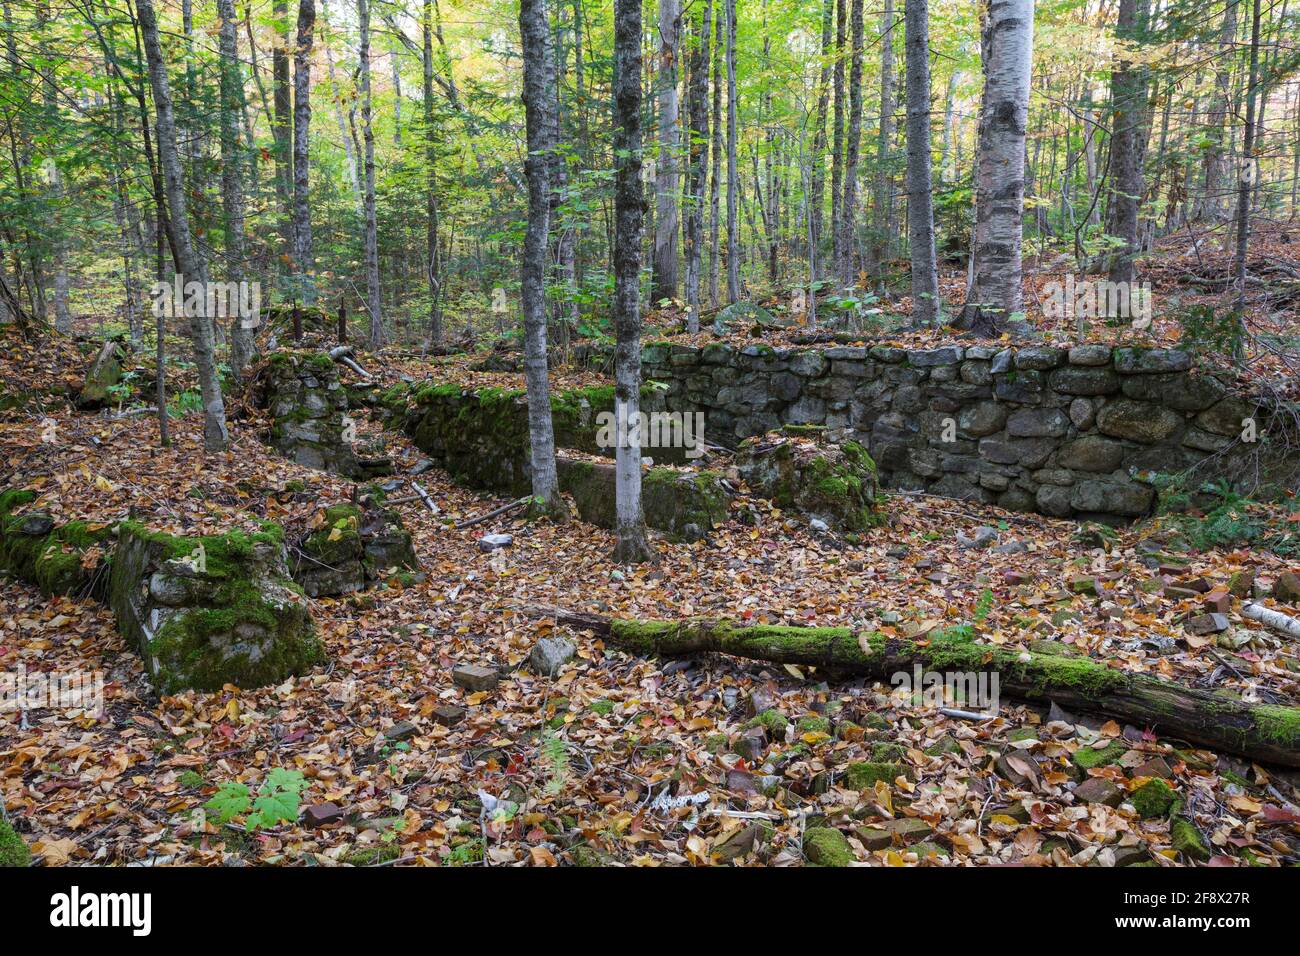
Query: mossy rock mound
<point>209,611</point>
<point>309,408</point>
<point>798,471</point>
<point>104,372</point>
<point>54,558</point>
<point>13,851</point>
<point>354,545</point>
<point>686,506</point>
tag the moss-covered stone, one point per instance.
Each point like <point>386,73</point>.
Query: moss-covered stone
<point>683,505</point>
<point>13,851</point>
<point>813,724</point>
<point>204,612</point>
<point>104,373</point>
<point>1153,799</point>
<point>1186,839</point>
<point>826,846</point>
<point>834,482</point>
<point>1087,758</point>
<point>773,721</point>
<point>864,775</point>
<point>354,546</point>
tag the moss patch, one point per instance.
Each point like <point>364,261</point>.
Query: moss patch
<point>13,851</point>
<point>826,846</point>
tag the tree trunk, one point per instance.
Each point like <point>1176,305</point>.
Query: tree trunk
<point>1214,198</point>
<point>1264,732</point>
<point>882,229</point>
<point>232,185</point>
<point>947,168</point>
<point>664,284</point>
<point>920,197</point>
<point>215,437</point>
<point>837,140</point>
<point>1006,41</point>
<point>539,84</point>
<point>302,245</point>
<point>817,202</point>
<point>632,545</point>
<point>715,151</point>
<point>1249,166</point>
<point>733,181</point>
<point>696,154</point>
<point>847,264</point>
<point>374,305</point>
<point>1128,92</point>
<point>282,121</point>
<point>432,264</point>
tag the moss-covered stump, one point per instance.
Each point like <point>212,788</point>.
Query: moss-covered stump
<point>684,505</point>
<point>57,559</point>
<point>354,546</point>
<point>209,611</point>
<point>104,372</point>
<point>13,851</point>
<point>309,409</point>
<point>797,471</point>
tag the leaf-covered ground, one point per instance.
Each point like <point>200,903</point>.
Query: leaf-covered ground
<point>619,758</point>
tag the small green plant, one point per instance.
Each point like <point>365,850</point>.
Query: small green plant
<point>555,760</point>
<point>1208,332</point>
<point>184,403</point>
<point>276,802</point>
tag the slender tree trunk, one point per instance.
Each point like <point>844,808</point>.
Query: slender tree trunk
<point>1129,108</point>
<point>882,229</point>
<point>733,176</point>
<point>215,436</point>
<point>852,150</point>
<point>715,151</point>
<point>947,167</point>
<point>1249,165</point>
<point>920,198</point>
<point>1006,40</point>
<point>232,185</point>
<point>666,226</point>
<point>1214,197</point>
<point>282,121</point>
<point>355,174</point>
<point>302,244</point>
<point>837,140</point>
<point>373,292</point>
<point>817,203</point>
<point>432,263</point>
<point>539,101</point>
<point>697,156</point>
<point>632,545</point>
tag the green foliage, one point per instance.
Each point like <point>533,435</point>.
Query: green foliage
<point>1211,333</point>
<point>555,761</point>
<point>276,802</point>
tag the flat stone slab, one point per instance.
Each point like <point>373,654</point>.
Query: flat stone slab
<point>474,677</point>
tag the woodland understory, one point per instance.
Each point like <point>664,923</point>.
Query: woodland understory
<point>470,199</point>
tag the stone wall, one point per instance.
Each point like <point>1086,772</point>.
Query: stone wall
<point>309,410</point>
<point>1076,433</point>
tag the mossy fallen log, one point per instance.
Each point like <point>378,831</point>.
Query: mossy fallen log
<point>1268,733</point>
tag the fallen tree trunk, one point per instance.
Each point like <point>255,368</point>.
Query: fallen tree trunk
<point>1268,733</point>
<point>1283,623</point>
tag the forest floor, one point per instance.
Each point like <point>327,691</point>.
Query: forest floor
<point>620,758</point>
